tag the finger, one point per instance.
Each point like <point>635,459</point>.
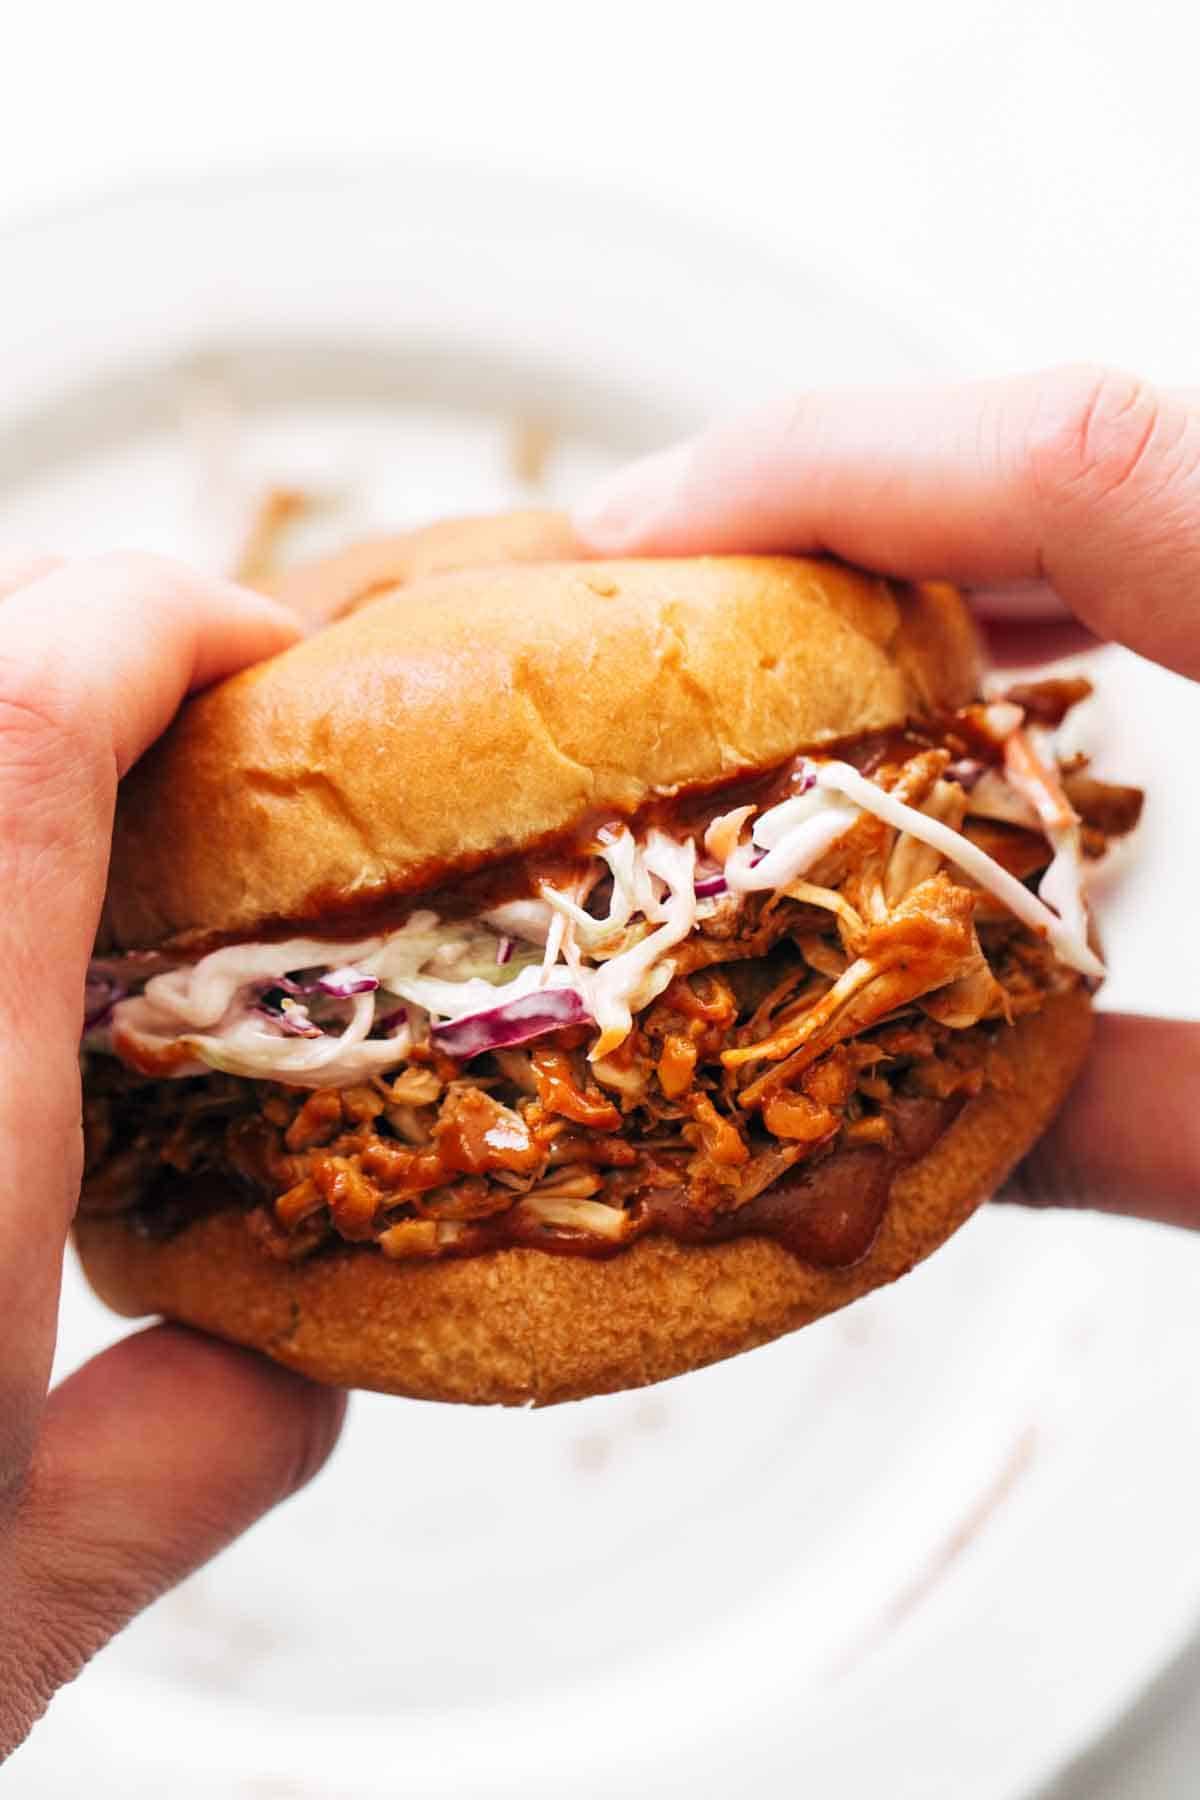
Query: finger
<point>1019,602</point>
<point>1026,623</point>
<point>94,659</point>
<point>1128,1139</point>
<point>19,567</point>
<point>1016,644</point>
<point>121,639</point>
<point>150,1459</point>
<point>1083,478</point>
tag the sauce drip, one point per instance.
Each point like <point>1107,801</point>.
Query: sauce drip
<point>826,1213</point>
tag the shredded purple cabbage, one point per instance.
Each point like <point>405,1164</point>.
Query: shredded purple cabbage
<point>339,984</point>
<point>100,994</point>
<point>966,771</point>
<point>291,984</point>
<point>515,1022</point>
<point>343,984</point>
<point>709,881</point>
<point>287,1015</point>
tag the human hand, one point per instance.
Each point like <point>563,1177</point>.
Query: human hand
<point>1069,502</point>
<point>161,1450</point>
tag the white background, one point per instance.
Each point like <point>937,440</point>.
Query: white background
<point>1033,162</point>
<point>1025,169</point>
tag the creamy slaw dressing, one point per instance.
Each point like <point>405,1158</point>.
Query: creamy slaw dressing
<point>217,1013</point>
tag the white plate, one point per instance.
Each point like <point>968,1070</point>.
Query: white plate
<point>927,1548</point>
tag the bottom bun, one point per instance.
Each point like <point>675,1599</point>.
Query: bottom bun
<point>520,1326</point>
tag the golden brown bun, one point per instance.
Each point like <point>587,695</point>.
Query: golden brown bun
<point>479,712</point>
<point>332,586</point>
<point>520,1325</point>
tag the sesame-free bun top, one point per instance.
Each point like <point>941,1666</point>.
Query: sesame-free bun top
<point>470,714</point>
<point>328,587</point>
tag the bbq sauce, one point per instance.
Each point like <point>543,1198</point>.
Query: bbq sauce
<point>827,1213</point>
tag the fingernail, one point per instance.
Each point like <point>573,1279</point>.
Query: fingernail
<point>624,511</point>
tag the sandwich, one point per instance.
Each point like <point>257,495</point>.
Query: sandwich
<point>556,975</point>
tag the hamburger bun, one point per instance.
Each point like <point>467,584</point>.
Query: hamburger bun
<point>330,587</point>
<point>521,1326</point>
<point>477,699</point>
<point>481,712</point>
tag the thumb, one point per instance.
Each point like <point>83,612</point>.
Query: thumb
<point>1080,477</point>
<point>1128,1138</point>
<point>152,1458</point>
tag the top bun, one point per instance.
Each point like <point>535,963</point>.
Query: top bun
<point>329,587</point>
<point>472,714</point>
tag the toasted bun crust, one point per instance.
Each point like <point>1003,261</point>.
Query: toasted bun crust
<point>479,712</point>
<point>515,1326</point>
<point>331,586</point>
